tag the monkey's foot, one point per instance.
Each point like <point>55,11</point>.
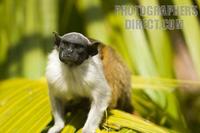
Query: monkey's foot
<point>88,131</point>
<point>56,128</point>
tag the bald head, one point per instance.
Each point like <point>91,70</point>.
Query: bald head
<point>73,37</point>
<point>76,38</point>
<point>74,48</point>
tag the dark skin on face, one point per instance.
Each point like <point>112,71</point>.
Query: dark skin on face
<point>72,53</point>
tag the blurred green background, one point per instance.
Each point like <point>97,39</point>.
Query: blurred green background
<point>158,56</point>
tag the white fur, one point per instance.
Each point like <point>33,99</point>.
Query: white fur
<point>85,80</point>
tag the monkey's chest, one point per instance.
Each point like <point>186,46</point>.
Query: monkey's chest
<point>81,81</point>
<point>74,85</point>
<point>79,86</point>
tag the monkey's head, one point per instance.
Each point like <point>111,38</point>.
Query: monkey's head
<point>74,48</point>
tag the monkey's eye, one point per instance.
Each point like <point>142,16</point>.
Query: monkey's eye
<point>80,48</point>
<point>77,46</point>
<point>62,46</point>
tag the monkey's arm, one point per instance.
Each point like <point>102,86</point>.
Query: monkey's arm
<point>58,113</point>
<point>100,101</point>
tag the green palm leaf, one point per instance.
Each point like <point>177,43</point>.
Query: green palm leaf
<point>24,107</point>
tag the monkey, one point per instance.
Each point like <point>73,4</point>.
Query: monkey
<point>81,67</point>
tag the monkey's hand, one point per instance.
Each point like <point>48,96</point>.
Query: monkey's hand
<point>88,130</point>
<point>99,104</point>
<point>56,128</point>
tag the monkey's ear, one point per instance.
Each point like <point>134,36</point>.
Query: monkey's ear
<point>57,39</point>
<point>93,48</point>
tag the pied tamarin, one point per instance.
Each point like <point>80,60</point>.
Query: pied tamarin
<point>80,67</point>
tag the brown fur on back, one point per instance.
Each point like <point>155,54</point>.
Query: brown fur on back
<point>119,78</point>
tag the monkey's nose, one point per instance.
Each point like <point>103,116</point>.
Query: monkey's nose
<point>66,55</point>
<point>63,56</point>
<point>69,50</point>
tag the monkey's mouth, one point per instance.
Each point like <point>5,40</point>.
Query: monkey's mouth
<point>71,62</point>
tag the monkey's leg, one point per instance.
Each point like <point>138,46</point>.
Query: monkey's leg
<point>99,104</point>
<point>58,114</point>
<point>124,103</point>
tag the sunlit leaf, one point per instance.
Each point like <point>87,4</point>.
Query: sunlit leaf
<point>24,107</point>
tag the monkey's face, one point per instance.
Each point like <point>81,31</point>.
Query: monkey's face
<point>72,54</point>
<point>74,48</point>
